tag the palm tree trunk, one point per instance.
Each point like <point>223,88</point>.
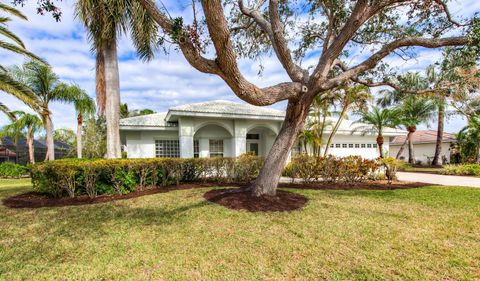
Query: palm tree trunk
<point>49,134</point>
<point>112,109</point>
<point>402,148</point>
<point>380,141</point>
<point>320,135</point>
<point>267,182</point>
<point>79,136</point>
<point>31,153</point>
<point>438,146</point>
<point>411,156</point>
<point>334,130</point>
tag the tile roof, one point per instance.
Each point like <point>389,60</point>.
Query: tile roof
<point>230,108</point>
<point>151,120</point>
<point>424,136</point>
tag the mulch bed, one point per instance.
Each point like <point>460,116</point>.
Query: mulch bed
<point>237,198</point>
<point>242,199</point>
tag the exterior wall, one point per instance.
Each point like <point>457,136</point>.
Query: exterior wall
<point>141,144</point>
<point>423,152</point>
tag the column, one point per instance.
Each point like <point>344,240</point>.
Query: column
<point>239,140</point>
<point>185,136</point>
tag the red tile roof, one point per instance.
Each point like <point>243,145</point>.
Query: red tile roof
<point>425,136</point>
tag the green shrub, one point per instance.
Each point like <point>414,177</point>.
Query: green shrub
<point>11,170</point>
<point>391,166</point>
<point>71,177</point>
<point>462,169</point>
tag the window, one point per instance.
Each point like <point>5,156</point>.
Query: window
<point>196,149</point>
<point>357,145</point>
<point>216,148</point>
<point>363,145</point>
<point>350,145</point>
<point>337,145</point>
<point>332,145</point>
<point>374,145</point>
<point>167,148</point>
<point>253,136</point>
<point>344,145</point>
<point>369,145</point>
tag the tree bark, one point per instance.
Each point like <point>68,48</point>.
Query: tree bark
<point>267,182</point>
<point>402,148</point>
<point>112,108</point>
<point>79,136</point>
<point>49,135</point>
<point>438,146</point>
<point>334,130</point>
<point>31,153</point>
<point>380,141</point>
<point>411,154</point>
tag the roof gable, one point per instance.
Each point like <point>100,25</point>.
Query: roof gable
<point>424,136</point>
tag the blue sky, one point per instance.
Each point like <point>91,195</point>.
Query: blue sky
<point>166,81</point>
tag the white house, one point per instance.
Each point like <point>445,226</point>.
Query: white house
<point>424,143</point>
<point>227,129</point>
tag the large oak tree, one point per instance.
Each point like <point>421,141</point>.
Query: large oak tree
<point>292,30</point>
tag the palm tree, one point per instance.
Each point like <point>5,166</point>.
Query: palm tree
<point>47,88</point>
<point>85,107</point>
<point>7,111</point>
<point>354,98</point>
<point>30,123</point>
<point>415,110</point>
<point>471,134</point>
<point>105,21</point>
<point>377,120</point>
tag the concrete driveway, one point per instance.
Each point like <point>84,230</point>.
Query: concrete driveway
<point>439,179</point>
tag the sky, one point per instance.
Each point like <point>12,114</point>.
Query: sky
<point>166,81</point>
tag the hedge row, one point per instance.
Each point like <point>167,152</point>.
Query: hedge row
<point>11,170</point>
<point>73,177</point>
<point>462,170</point>
<point>331,169</point>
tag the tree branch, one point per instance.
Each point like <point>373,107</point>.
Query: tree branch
<point>372,61</point>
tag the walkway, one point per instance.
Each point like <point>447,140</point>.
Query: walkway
<point>439,179</point>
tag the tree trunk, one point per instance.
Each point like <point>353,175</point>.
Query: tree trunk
<point>402,148</point>
<point>79,136</point>
<point>112,109</point>
<point>31,153</point>
<point>411,154</point>
<point>380,141</point>
<point>267,182</point>
<point>49,134</point>
<point>441,122</point>
<point>334,130</point>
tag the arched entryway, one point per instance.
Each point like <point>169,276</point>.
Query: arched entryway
<point>212,140</point>
<point>259,140</point>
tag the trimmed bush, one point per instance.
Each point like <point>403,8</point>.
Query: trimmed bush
<point>72,177</point>
<point>462,170</point>
<point>391,165</point>
<point>11,170</point>
<point>330,169</point>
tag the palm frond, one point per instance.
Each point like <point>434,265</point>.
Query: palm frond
<point>19,90</point>
<point>19,50</point>
<point>7,111</point>
<point>7,33</point>
<point>6,8</point>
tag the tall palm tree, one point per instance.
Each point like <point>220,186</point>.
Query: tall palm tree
<point>30,123</point>
<point>415,110</point>
<point>354,98</point>
<point>85,107</point>
<point>377,120</point>
<point>105,20</point>
<point>47,88</point>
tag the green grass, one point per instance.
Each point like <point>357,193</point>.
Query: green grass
<point>430,170</point>
<point>416,234</point>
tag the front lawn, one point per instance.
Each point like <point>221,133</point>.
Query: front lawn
<point>426,233</point>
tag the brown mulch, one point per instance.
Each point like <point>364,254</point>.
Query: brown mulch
<point>284,201</point>
<point>242,199</point>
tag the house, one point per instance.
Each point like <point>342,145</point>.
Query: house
<point>424,143</point>
<point>227,129</point>
<point>19,150</point>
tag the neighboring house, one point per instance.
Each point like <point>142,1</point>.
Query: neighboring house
<point>20,150</point>
<point>226,129</point>
<point>424,143</point>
